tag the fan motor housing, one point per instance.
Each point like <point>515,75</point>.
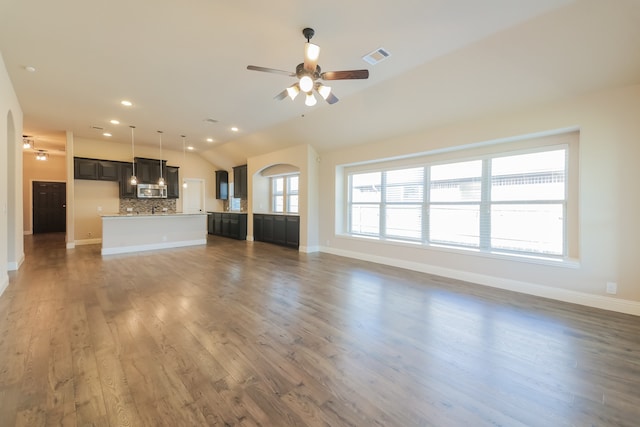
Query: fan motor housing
<point>301,72</point>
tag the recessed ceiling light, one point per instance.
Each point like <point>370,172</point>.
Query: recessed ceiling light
<point>235,129</point>
<point>209,139</point>
<point>114,122</point>
<point>190,147</point>
<point>126,103</point>
<point>30,68</point>
<point>106,134</point>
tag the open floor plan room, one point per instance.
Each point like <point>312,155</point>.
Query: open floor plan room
<point>241,333</point>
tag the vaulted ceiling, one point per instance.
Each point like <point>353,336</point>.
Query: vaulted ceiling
<point>183,66</point>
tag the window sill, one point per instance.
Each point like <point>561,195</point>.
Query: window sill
<point>529,259</point>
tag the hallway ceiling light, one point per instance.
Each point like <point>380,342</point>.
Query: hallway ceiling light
<point>42,155</point>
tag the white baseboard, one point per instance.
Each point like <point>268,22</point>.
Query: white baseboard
<point>565,295</point>
<point>309,249</point>
<point>86,242</point>
<point>27,232</point>
<point>71,245</point>
<point>249,238</point>
<point>152,247</point>
<point>15,265</point>
<point>4,282</point>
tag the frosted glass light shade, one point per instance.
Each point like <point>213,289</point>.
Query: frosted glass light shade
<point>310,101</point>
<point>306,83</point>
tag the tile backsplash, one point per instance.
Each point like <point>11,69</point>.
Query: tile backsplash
<point>145,205</point>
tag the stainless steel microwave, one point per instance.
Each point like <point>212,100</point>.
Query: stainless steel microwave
<point>152,191</point>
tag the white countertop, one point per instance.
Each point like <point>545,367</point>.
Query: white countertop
<point>149,214</point>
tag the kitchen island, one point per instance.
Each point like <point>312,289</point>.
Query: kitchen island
<point>123,233</point>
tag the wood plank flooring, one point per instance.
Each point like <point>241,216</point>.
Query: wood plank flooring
<point>250,334</point>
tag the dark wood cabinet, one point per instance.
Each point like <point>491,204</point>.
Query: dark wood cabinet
<point>148,170</point>
<point>172,179</point>
<point>292,232</point>
<point>85,168</point>
<point>108,170</point>
<point>127,191</point>
<point>279,229</point>
<point>232,225</point>
<point>240,182</point>
<point>95,169</point>
<point>222,185</point>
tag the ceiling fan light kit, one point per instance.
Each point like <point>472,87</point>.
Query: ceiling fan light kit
<point>308,74</point>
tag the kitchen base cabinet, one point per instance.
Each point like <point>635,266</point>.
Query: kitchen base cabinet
<point>282,230</point>
<point>232,225</point>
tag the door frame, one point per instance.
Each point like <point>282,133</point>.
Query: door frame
<point>31,181</point>
<point>202,194</point>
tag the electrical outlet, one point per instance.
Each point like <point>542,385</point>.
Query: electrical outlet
<point>612,288</point>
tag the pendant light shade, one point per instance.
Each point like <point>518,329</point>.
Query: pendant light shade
<point>134,179</point>
<point>161,179</point>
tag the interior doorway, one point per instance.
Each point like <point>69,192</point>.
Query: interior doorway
<point>49,207</point>
<point>193,201</point>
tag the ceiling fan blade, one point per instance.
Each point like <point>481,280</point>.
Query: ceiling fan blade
<point>332,99</point>
<point>311,54</point>
<point>282,95</point>
<point>271,70</point>
<point>345,75</point>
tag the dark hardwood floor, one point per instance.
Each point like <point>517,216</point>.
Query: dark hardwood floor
<point>239,333</point>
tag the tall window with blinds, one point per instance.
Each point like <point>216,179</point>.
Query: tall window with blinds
<point>508,203</point>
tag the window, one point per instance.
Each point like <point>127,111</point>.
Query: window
<point>513,202</point>
<point>284,193</point>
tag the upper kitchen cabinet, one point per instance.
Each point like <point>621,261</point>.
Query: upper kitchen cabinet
<point>240,182</point>
<point>85,168</point>
<point>94,169</point>
<point>148,170</point>
<point>173,182</point>
<point>222,185</point>
<point>127,191</point>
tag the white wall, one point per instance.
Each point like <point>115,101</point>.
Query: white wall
<point>609,231</point>
<point>11,243</point>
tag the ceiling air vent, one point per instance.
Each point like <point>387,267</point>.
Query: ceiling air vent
<point>377,56</point>
<point>96,127</point>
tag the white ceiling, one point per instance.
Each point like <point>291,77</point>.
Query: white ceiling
<point>181,63</point>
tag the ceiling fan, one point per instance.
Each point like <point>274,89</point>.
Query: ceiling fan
<point>309,75</point>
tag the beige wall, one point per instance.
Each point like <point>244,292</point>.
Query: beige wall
<point>54,169</point>
<point>299,156</point>
<point>609,232</point>
<point>11,240</point>
<point>89,195</point>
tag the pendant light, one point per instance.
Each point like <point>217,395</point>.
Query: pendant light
<point>161,180</point>
<point>134,179</point>
<point>184,159</point>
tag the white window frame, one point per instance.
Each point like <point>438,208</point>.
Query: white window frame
<point>485,203</point>
<point>285,194</point>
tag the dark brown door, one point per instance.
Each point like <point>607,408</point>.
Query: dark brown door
<point>49,207</point>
